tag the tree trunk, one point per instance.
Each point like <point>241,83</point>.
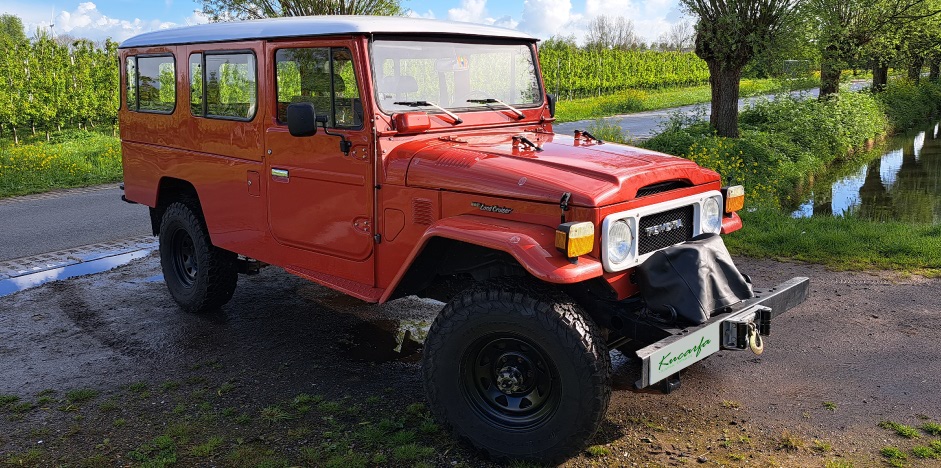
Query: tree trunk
<point>16,138</point>
<point>880,76</point>
<point>914,69</point>
<point>829,76</point>
<point>934,72</point>
<point>48,136</point>
<point>725,91</point>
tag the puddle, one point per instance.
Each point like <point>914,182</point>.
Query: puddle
<point>386,340</point>
<point>902,184</point>
<point>20,283</point>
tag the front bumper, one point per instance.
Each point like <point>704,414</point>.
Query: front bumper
<point>687,346</point>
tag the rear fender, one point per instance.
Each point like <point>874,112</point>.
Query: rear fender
<point>531,245</point>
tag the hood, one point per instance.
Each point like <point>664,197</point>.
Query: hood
<point>595,174</point>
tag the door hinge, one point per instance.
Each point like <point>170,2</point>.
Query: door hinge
<point>378,238</point>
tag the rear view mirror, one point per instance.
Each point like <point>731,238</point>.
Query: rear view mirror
<point>302,119</point>
<point>551,99</point>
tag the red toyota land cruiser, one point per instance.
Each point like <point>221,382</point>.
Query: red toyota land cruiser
<point>385,157</point>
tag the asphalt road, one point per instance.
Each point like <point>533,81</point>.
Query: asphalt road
<point>60,220</point>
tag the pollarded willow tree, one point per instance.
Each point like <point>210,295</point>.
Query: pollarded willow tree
<point>232,10</point>
<point>848,27</point>
<point>729,34</point>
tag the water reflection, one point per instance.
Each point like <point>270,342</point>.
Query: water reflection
<point>903,184</point>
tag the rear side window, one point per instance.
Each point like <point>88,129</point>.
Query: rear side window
<point>322,76</point>
<point>151,84</point>
<point>223,85</point>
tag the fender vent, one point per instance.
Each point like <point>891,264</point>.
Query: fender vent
<point>457,158</point>
<point>422,212</point>
<point>661,187</point>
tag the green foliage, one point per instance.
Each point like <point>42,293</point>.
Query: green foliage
<point>70,159</point>
<point>932,428</point>
<point>228,10</point>
<point>902,430</point>
<point>892,453</point>
<point>81,395</point>
<point>784,141</point>
<point>11,28</point>
<point>920,451</point>
<point>159,452</point>
<point>908,104</point>
<point>608,130</point>
<point>572,72</point>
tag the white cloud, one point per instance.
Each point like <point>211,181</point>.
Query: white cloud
<point>475,11</point>
<point>86,21</point>
<point>414,14</point>
<point>545,18</point>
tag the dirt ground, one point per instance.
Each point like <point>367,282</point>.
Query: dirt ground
<point>104,370</point>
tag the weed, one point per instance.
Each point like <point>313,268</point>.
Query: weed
<point>829,405</point>
<point>416,410</point>
<point>180,408</point>
<point>380,459</point>
<point>598,451</point>
<point>46,392</point>
<point>837,463</point>
<point>159,452</point>
<point>731,404</point>
<point>736,456</point>
<point>29,458</point>
<point>936,445</point>
<point>892,453</point>
<point>907,432</point>
<point>348,459</point>
<point>79,396</point>
<point>255,457</point>
<point>228,412</point>
<point>920,451</point>
<point>412,452</point>
<point>329,407</point>
<point>428,426</point>
<point>120,422</point>
<point>138,387</point>
<point>8,399</point>
<point>932,428</point>
<point>23,407</point>
<point>170,385</point>
<point>226,387</point>
<point>402,437</point>
<point>372,400</point>
<point>789,442</point>
<point>274,414</point>
<point>243,419</point>
<point>609,130</point>
<point>299,432</point>
<point>206,448</point>
<point>821,446</point>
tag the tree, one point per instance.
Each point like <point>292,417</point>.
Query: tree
<point>849,26</point>
<point>11,27</point>
<point>231,10</point>
<point>681,37</point>
<point>729,33</point>
<point>611,32</point>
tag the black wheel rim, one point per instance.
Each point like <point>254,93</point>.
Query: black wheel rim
<point>510,381</point>
<point>184,258</point>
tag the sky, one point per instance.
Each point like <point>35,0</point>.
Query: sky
<point>121,19</point>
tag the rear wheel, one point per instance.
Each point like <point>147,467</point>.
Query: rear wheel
<point>517,369</point>
<point>200,276</point>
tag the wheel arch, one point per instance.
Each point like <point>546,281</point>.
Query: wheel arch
<point>485,248</point>
<point>169,190</point>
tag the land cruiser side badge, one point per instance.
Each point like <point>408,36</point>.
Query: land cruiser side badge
<point>492,208</point>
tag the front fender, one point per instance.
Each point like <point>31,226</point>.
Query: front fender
<point>531,245</point>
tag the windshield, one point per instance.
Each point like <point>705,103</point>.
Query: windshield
<point>450,74</point>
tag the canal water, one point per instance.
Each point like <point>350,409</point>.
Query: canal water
<point>902,182</point>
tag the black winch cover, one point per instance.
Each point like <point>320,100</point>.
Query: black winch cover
<point>695,279</point>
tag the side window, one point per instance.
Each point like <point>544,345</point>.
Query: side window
<point>156,84</point>
<point>196,84</point>
<point>130,76</point>
<point>323,76</point>
<point>229,86</point>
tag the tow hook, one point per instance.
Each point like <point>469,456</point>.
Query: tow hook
<point>755,344</point>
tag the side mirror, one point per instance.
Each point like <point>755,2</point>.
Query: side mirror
<point>551,100</point>
<point>302,119</point>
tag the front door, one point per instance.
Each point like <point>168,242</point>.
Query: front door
<point>320,198</point>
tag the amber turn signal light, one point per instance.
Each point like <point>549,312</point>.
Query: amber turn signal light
<point>734,198</point>
<point>574,239</point>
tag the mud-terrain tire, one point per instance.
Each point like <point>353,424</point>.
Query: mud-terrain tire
<point>200,276</point>
<point>500,344</point>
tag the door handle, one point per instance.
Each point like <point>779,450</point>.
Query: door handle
<point>282,173</point>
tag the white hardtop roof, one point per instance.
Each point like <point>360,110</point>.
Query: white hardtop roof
<point>301,26</point>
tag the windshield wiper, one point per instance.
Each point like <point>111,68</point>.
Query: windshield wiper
<point>519,115</point>
<point>457,119</point>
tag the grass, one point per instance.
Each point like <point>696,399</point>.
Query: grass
<point>790,442</point>
<point>902,430</point>
<point>598,451</point>
<point>829,406</point>
<point>73,158</point>
<point>635,100</point>
<point>841,243</point>
<point>81,395</point>
<point>921,451</point>
<point>932,428</point>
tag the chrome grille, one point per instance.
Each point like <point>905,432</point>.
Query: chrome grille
<point>661,230</point>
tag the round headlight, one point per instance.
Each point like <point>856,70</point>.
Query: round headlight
<point>620,242</point>
<point>711,216</point>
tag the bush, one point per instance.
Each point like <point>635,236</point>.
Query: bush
<point>908,104</point>
<point>783,142</point>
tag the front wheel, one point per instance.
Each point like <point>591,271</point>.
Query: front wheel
<point>519,370</point>
<point>200,276</point>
